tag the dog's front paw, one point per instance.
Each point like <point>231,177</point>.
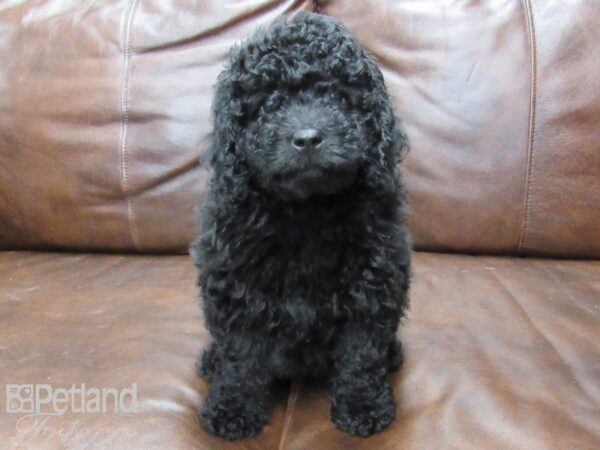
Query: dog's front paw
<point>362,417</point>
<point>232,417</point>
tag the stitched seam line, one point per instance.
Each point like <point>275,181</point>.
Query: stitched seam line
<point>125,185</point>
<point>532,116</point>
<point>289,411</point>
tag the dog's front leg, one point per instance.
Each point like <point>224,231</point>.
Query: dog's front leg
<point>236,406</point>
<point>362,400</point>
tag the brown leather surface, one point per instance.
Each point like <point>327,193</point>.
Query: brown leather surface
<point>104,111</point>
<point>501,102</point>
<point>107,321</point>
<point>563,201</point>
<point>500,353</point>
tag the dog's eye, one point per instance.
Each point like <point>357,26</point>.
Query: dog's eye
<point>273,102</point>
<point>252,104</point>
<point>340,96</point>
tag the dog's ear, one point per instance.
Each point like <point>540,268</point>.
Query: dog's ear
<point>390,142</point>
<point>399,144</point>
<point>231,172</point>
<point>225,127</point>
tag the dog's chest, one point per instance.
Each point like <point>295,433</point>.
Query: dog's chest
<point>295,275</point>
<point>307,276</point>
<point>309,260</point>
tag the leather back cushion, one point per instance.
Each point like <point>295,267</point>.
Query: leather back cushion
<point>501,101</point>
<point>104,111</point>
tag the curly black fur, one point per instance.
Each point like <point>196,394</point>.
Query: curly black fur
<point>303,256</point>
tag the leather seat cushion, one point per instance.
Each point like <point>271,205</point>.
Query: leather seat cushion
<point>500,353</point>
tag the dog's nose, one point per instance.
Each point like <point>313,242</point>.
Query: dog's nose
<point>307,138</point>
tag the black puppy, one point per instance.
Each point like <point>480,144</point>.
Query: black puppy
<point>303,256</point>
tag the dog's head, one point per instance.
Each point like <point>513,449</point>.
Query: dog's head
<point>302,107</point>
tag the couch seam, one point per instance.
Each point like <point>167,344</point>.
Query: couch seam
<point>125,181</point>
<point>528,9</point>
<point>292,398</point>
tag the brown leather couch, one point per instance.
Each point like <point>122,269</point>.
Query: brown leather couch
<point>104,111</point>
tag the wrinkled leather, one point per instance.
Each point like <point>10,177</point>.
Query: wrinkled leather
<point>501,102</point>
<point>108,321</point>
<point>104,112</point>
<point>500,353</point>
